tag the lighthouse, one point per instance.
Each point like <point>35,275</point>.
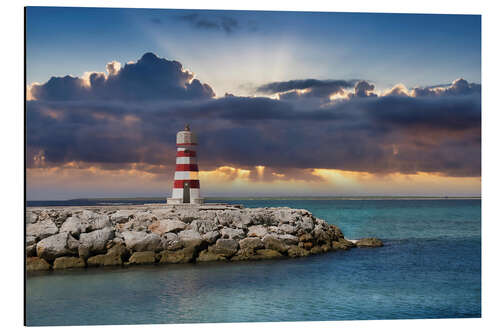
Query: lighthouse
<point>186,183</point>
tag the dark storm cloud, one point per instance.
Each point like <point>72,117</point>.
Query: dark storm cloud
<point>148,78</point>
<point>289,90</point>
<point>395,133</point>
<point>222,23</point>
<point>363,89</point>
<point>457,88</point>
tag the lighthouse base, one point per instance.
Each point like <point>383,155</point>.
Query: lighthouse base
<point>178,201</point>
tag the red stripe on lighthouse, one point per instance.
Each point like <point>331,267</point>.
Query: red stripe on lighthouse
<point>186,153</point>
<point>187,144</point>
<point>193,183</point>
<point>186,167</point>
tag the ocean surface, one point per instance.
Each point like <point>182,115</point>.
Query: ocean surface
<point>430,267</point>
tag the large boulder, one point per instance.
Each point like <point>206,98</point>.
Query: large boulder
<point>68,262</point>
<point>181,256</point>
<point>145,257</point>
<point>53,246</point>
<point>164,226</point>
<point>287,229</point>
<point>232,233</point>
<point>170,241</point>
<point>31,217</point>
<point>141,241</point>
<point>211,237</point>
<point>257,231</point>
<point>251,244</point>
<point>225,247</point>
<point>41,229</point>
<point>104,260</point>
<point>36,264</point>
<point>94,242</point>
<point>288,239</point>
<point>75,226</point>
<point>267,254</point>
<point>369,242</point>
<point>121,216</point>
<point>204,226</point>
<point>274,243</point>
<point>190,238</point>
<point>342,244</point>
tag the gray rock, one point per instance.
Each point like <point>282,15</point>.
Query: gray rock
<point>225,247</point>
<point>287,229</point>
<point>288,239</point>
<point>170,241</point>
<point>53,246</point>
<point>30,240</point>
<point>204,226</point>
<point>251,243</point>
<point>75,226</point>
<point>165,226</point>
<point>257,231</point>
<point>306,224</point>
<point>232,233</point>
<point>190,238</point>
<point>95,241</point>
<point>369,242</point>
<point>141,241</point>
<point>211,236</point>
<point>273,243</point>
<point>41,229</point>
<point>31,217</point>
<point>121,216</point>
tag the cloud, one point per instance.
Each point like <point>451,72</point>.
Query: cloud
<point>294,89</point>
<point>363,89</point>
<point>457,88</point>
<point>150,78</point>
<point>396,132</point>
<point>222,23</point>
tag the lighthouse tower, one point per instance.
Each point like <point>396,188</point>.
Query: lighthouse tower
<point>186,184</point>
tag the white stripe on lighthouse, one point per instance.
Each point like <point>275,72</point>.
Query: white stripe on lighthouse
<point>185,160</point>
<point>185,175</point>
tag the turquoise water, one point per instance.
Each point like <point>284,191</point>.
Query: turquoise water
<point>430,267</point>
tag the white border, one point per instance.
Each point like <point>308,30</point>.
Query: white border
<point>12,162</point>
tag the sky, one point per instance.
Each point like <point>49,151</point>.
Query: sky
<point>284,103</point>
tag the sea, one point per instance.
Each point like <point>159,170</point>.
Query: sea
<point>429,267</point>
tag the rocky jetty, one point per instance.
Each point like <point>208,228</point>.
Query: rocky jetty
<point>76,237</point>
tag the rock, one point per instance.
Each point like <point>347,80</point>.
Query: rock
<point>288,239</point>
<point>306,245</point>
<point>119,250</point>
<point>36,264</point>
<point>257,231</point>
<point>164,226</point>
<point>287,229</point>
<point>54,246</point>
<point>369,242</point>
<point>204,226</point>
<point>74,225</point>
<point>190,238</point>
<point>104,260</point>
<point>41,229</point>
<point>267,254</point>
<point>31,250</point>
<point>273,243</point>
<point>31,217</point>
<point>94,242</point>
<point>342,244</point>
<point>145,257</point>
<point>206,255</point>
<point>225,247</point>
<point>184,255</point>
<point>306,238</point>
<point>68,262</point>
<point>211,237</point>
<point>170,241</point>
<point>164,213</point>
<point>138,241</point>
<point>251,244</point>
<point>306,224</point>
<point>243,222</point>
<point>284,216</point>
<point>316,250</point>
<point>295,251</point>
<point>232,233</point>
<point>121,216</point>
<point>30,240</point>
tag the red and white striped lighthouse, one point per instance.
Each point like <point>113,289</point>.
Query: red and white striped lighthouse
<point>186,183</point>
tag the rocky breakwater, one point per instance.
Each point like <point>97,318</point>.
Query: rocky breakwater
<point>76,237</point>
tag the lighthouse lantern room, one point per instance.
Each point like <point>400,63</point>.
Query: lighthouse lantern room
<point>186,183</point>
